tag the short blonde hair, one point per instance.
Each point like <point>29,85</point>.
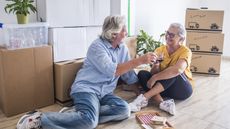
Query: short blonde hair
<point>111,25</point>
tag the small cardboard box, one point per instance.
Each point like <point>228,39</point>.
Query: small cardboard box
<point>131,43</point>
<point>26,79</point>
<point>205,42</point>
<point>206,63</point>
<point>65,73</point>
<point>207,20</point>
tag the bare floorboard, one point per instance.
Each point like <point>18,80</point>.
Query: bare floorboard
<point>208,108</point>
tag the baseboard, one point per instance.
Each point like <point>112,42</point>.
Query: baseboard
<point>226,57</point>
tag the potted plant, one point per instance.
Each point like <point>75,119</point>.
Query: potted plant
<point>21,8</point>
<point>146,43</point>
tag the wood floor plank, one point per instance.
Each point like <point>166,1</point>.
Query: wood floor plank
<point>207,108</point>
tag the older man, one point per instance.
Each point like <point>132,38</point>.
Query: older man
<point>92,91</point>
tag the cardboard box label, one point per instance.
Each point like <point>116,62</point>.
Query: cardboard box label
<point>211,20</point>
<point>206,63</point>
<point>205,42</point>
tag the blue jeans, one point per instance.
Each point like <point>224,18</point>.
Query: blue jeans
<point>90,110</point>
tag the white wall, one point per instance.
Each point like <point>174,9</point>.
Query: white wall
<point>155,17</point>
<point>120,7</point>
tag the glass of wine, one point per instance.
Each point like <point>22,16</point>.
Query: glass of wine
<point>160,57</point>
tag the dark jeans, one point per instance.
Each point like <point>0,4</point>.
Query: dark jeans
<point>177,87</point>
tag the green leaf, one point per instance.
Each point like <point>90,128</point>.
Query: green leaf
<point>20,7</point>
<point>146,43</point>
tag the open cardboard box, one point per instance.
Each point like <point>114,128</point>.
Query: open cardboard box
<point>26,79</point>
<point>147,121</point>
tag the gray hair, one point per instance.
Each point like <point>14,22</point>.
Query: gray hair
<point>112,25</point>
<point>180,28</point>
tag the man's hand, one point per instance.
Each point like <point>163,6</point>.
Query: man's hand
<point>148,58</point>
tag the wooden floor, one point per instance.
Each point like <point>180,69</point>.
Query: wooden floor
<point>208,108</point>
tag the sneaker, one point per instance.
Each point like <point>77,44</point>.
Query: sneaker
<point>67,109</point>
<point>30,121</point>
<point>168,106</point>
<point>138,103</point>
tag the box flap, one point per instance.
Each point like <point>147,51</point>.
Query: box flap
<point>44,76</point>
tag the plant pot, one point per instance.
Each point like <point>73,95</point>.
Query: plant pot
<point>22,19</point>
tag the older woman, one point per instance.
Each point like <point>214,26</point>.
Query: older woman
<point>170,78</point>
<point>92,91</point>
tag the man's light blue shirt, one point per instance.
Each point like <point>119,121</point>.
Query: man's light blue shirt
<point>98,72</point>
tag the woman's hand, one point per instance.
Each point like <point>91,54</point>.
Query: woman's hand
<point>155,68</point>
<point>151,82</point>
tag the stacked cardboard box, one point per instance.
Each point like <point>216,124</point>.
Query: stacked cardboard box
<point>205,39</point>
<point>26,79</point>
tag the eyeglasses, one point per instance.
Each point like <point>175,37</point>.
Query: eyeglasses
<point>171,35</point>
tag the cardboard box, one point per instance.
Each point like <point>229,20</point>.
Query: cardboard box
<point>205,42</point>
<point>131,43</point>
<point>65,73</point>
<point>206,63</point>
<point>26,79</point>
<point>210,20</point>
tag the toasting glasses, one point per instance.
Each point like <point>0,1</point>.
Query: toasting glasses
<point>160,58</point>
